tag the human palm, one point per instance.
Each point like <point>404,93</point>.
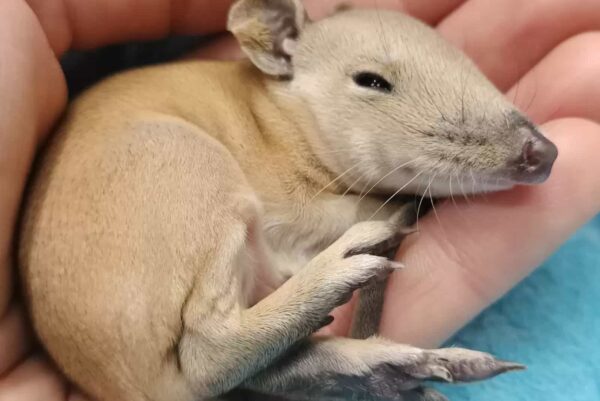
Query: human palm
<point>544,54</point>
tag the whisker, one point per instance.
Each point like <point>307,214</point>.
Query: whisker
<point>333,182</point>
<point>462,97</point>
<point>451,194</point>
<point>462,189</point>
<point>459,209</point>
<point>473,186</point>
<point>352,185</point>
<point>516,95</point>
<point>535,92</point>
<point>395,194</point>
<point>362,192</point>
<point>421,202</point>
<point>387,175</point>
<point>437,217</point>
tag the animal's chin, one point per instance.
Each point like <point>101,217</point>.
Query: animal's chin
<point>441,186</point>
<point>473,185</point>
<point>466,185</point>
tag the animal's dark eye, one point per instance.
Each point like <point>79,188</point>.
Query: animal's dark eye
<point>373,81</point>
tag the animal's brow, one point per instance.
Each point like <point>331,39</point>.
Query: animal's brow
<point>387,63</point>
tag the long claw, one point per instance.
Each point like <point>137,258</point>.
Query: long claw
<point>468,366</point>
<point>441,373</point>
<point>507,366</point>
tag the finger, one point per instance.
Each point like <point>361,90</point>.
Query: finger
<point>14,339</point>
<point>225,47</point>
<point>94,23</point>
<point>430,11</point>
<point>33,92</point>
<point>480,250</point>
<point>565,83</point>
<point>32,380</point>
<point>507,38</point>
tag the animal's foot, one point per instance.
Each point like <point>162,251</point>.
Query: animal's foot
<point>399,373</point>
<point>461,365</point>
<point>373,370</point>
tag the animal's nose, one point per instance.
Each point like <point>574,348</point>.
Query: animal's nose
<point>536,159</point>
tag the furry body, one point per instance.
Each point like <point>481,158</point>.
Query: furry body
<point>191,224</point>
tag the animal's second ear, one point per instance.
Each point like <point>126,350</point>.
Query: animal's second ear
<point>267,31</point>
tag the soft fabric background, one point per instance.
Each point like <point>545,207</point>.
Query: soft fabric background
<point>551,323</point>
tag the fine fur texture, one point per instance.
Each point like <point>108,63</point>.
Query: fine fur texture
<point>191,225</point>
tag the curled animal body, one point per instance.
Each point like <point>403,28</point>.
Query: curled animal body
<point>190,225</point>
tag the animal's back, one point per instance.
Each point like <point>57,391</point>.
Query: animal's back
<point>119,227</point>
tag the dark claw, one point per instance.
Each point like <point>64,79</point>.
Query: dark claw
<point>327,321</point>
<point>385,248</point>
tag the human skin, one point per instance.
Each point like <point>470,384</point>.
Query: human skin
<point>544,53</point>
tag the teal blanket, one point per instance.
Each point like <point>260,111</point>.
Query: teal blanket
<point>551,322</point>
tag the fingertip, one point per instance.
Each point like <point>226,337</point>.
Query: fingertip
<point>89,24</point>
<point>474,252</point>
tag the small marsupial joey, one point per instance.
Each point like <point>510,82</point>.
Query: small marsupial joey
<point>191,225</point>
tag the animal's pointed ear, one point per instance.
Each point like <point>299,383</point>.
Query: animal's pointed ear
<point>267,31</point>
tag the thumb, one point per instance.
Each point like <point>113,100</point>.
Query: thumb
<point>472,253</point>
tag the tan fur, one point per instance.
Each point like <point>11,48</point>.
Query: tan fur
<point>174,201</point>
<point>151,145</point>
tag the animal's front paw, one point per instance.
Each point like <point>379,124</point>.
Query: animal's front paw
<point>363,254</point>
<point>379,238</point>
<point>340,276</point>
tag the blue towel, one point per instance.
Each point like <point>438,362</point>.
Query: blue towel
<point>551,323</point>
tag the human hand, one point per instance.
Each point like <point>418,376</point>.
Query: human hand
<point>457,266</point>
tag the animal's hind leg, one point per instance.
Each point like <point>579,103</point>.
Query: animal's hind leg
<point>218,354</point>
<point>374,369</point>
<point>367,314</point>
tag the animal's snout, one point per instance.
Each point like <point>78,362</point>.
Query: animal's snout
<point>536,159</point>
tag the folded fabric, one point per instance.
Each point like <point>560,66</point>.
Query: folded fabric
<point>551,323</point>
